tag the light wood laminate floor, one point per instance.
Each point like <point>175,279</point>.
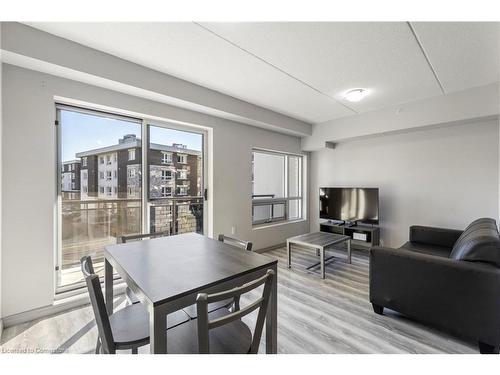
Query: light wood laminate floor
<point>314,316</point>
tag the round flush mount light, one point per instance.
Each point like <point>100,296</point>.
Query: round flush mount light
<point>355,95</point>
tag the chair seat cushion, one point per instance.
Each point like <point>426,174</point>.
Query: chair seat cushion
<point>130,325</point>
<point>193,313</point>
<point>231,338</point>
<point>422,248</point>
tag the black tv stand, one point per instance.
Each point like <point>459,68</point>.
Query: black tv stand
<point>364,236</point>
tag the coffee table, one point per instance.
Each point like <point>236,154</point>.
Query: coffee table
<point>318,241</point>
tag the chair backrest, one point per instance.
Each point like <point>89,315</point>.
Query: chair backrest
<point>205,325</point>
<point>135,237</point>
<point>245,245</point>
<point>98,305</point>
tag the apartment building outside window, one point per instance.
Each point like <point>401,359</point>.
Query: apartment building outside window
<point>131,173</point>
<point>84,161</point>
<point>101,175</point>
<point>131,154</point>
<point>108,175</point>
<point>101,159</point>
<point>108,159</point>
<point>276,187</point>
<point>182,174</point>
<point>182,190</point>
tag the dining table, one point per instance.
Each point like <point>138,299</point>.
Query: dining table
<point>167,273</point>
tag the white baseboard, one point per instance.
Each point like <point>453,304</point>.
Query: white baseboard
<point>57,307</point>
<point>278,246</point>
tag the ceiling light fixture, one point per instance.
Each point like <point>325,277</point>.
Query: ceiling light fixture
<point>355,95</point>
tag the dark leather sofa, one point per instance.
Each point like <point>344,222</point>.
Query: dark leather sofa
<point>447,278</point>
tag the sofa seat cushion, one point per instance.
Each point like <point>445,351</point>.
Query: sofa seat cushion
<point>422,248</point>
<point>480,242</point>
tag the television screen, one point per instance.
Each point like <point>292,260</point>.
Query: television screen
<point>349,204</point>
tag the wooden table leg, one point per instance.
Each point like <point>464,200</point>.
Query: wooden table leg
<point>108,286</point>
<point>272,317</point>
<point>158,331</point>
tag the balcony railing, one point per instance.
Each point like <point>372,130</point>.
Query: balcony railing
<point>87,226</point>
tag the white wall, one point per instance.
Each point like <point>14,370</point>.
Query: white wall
<point>30,181</point>
<point>443,177</point>
<point>1,127</point>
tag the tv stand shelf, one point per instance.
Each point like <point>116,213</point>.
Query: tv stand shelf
<point>364,236</point>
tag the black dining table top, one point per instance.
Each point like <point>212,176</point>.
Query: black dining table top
<point>168,268</point>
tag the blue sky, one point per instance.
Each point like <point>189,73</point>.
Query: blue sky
<point>82,132</point>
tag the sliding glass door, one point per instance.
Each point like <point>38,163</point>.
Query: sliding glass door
<point>175,180</point>
<point>102,195</point>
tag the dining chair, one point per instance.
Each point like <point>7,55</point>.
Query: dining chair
<point>127,328</point>
<point>223,332</point>
<point>245,245</point>
<point>229,303</point>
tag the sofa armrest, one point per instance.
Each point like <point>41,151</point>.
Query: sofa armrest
<point>434,236</point>
<point>459,296</point>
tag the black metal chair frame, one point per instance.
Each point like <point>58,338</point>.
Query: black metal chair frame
<point>105,342</point>
<point>205,324</point>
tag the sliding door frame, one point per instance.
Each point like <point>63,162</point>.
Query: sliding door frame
<point>145,122</point>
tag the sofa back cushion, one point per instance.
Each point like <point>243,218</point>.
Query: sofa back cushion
<point>480,242</point>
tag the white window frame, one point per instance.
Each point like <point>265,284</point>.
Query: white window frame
<point>182,158</point>
<point>84,161</point>
<point>166,157</point>
<point>287,198</point>
<point>131,154</point>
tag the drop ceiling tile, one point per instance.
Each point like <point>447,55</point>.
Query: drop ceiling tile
<point>188,51</point>
<point>463,54</point>
<point>334,57</point>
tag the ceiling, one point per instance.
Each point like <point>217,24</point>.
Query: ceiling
<point>303,69</point>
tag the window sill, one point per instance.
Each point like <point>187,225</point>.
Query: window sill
<point>270,225</point>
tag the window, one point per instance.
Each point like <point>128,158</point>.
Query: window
<point>166,175</point>
<point>131,173</point>
<point>131,154</point>
<point>73,186</point>
<point>166,191</point>
<point>108,190</point>
<point>182,190</point>
<point>101,159</point>
<point>276,187</point>
<point>84,161</point>
<point>166,158</point>
<point>108,159</point>
<point>130,191</point>
<point>101,189</point>
<point>182,159</point>
<point>182,174</point>
<point>101,175</point>
<point>108,175</point>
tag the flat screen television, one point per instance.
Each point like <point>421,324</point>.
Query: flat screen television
<point>349,204</point>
